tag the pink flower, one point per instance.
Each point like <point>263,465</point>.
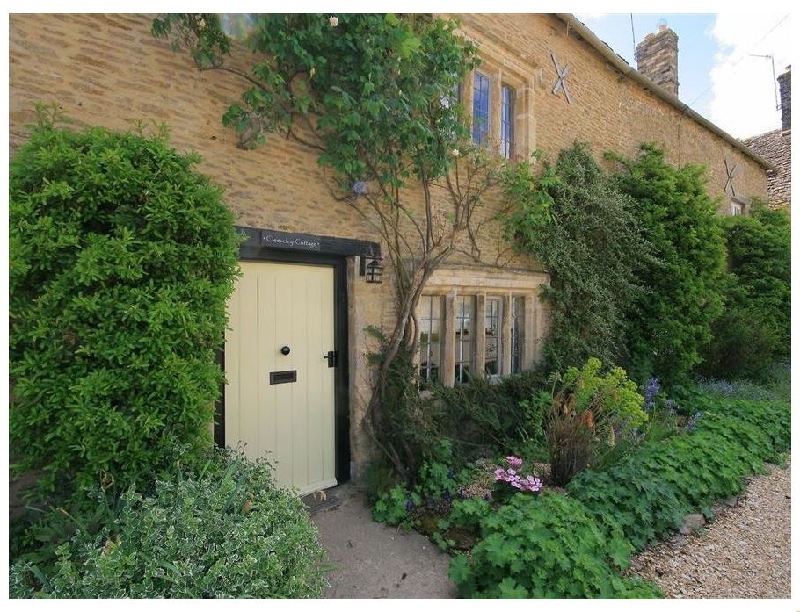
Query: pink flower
<point>533,484</point>
<point>514,462</point>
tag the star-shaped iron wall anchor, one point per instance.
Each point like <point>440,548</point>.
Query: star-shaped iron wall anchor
<point>729,170</point>
<point>562,74</point>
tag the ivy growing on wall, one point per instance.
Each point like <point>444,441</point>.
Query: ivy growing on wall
<point>570,218</point>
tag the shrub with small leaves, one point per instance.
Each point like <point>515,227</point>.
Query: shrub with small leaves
<point>229,533</point>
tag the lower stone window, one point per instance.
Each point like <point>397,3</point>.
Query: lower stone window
<point>462,336</point>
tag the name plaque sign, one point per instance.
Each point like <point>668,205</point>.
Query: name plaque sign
<point>286,240</point>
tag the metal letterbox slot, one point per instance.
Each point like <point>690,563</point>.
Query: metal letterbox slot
<point>282,377</point>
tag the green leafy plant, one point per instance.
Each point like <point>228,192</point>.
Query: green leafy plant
<point>122,258</point>
<point>394,506</point>
<point>648,492</point>
<point>546,547</point>
<point>225,533</point>
<point>436,486</point>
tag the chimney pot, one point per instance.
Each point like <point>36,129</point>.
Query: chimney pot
<point>657,58</point>
<point>785,84</point>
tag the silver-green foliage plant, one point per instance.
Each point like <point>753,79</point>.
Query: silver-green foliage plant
<point>573,220</point>
<point>228,533</point>
<point>122,258</point>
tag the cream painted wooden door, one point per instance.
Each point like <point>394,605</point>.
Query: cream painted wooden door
<point>279,396</point>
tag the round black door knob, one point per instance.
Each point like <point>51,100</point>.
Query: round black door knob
<point>285,350</point>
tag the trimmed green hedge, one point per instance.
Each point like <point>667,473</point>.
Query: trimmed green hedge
<point>122,259</point>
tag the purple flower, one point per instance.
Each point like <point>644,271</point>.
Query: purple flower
<point>692,422</point>
<point>359,188</point>
<point>527,483</point>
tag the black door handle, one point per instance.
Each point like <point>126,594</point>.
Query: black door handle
<point>332,358</point>
<point>285,350</point>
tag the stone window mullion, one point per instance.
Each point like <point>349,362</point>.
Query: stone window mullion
<point>480,335</point>
<point>508,313</point>
<point>530,348</point>
<point>494,110</point>
<point>449,341</point>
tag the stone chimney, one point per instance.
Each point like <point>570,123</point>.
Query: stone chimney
<point>785,83</point>
<point>657,58</point>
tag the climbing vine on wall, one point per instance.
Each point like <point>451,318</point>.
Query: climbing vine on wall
<point>373,96</point>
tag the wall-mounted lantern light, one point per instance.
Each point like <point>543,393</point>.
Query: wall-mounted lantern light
<point>372,269</point>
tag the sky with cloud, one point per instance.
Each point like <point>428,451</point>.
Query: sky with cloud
<point>725,61</point>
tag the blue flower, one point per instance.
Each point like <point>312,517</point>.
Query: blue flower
<point>359,188</point>
<point>651,389</point>
<point>692,422</point>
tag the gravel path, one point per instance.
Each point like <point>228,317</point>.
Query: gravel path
<point>744,553</point>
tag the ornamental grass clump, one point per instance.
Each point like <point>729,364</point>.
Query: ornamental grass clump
<point>587,412</point>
